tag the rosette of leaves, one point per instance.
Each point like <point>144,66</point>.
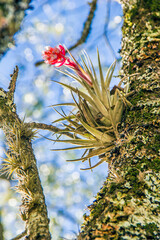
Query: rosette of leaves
<point>96,111</point>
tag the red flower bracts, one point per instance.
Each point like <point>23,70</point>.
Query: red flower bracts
<point>56,56</point>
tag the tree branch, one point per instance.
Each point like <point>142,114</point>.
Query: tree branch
<point>86,28</point>
<point>105,34</point>
<point>1,228</point>
<point>20,235</point>
<point>21,160</point>
<point>50,128</point>
<point>87,25</point>
<point>12,84</point>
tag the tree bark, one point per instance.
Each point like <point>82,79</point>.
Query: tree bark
<point>127,206</point>
<point>21,160</point>
<point>1,228</point>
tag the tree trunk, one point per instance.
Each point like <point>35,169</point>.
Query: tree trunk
<point>127,206</point>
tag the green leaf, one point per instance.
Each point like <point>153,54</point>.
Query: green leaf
<point>77,105</point>
<point>85,65</point>
<point>87,112</point>
<point>85,96</point>
<point>109,74</point>
<point>123,98</point>
<point>77,131</point>
<point>63,118</point>
<point>72,148</point>
<point>74,123</point>
<point>99,105</point>
<point>69,74</point>
<point>113,99</point>
<point>101,73</point>
<point>90,168</point>
<point>86,57</point>
<point>93,69</point>
<point>81,142</point>
<point>62,104</point>
<point>117,111</point>
<point>99,135</point>
<point>95,84</point>
<point>93,153</point>
<point>105,91</point>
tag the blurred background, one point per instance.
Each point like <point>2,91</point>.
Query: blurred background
<point>67,189</point>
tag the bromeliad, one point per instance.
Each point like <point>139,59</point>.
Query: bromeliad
<point>98,110</point>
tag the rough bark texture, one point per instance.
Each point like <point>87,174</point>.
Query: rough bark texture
<point>11,16</point>
<point>21,160</point>
<point>127,206</point>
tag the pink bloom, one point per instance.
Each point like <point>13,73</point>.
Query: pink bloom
<point>56,56</point>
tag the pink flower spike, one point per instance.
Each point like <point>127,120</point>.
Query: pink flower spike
<point>62,49</point>
<point>56,56</point>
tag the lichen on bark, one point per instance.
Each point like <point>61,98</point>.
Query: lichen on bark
<point>20,159</point>
<point>127,206</point>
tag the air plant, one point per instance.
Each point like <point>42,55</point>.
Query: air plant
<point>97,110</point>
